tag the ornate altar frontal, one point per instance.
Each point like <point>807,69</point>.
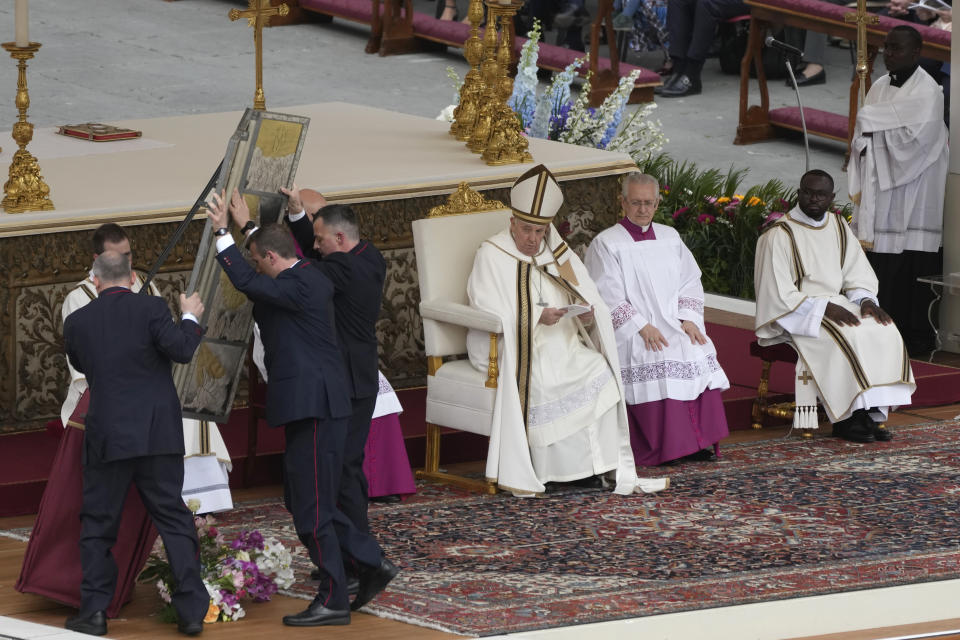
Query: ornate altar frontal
<point>391,168</point>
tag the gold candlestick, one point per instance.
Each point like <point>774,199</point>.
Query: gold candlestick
<point>465,115</point>
<point>25,189</point>
<point>506,144</point>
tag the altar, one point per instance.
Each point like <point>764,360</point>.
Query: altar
<point>392,168</point>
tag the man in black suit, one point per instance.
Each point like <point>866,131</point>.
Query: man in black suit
<point>309,393</point>
<point>124,344</point>
<point>357,270</point>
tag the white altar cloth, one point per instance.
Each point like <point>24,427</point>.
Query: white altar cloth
<point>352,154</point>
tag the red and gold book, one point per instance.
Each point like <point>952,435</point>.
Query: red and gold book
<point>97,132</point>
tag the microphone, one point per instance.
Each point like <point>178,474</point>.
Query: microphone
<point>783,46</point>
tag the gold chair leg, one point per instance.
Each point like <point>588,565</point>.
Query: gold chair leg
<point>760,404</point>
<point>431,467</point>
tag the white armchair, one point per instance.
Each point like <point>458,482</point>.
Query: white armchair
<point>458,395</point>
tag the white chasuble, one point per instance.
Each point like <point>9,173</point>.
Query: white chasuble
<point>655,282</point>
<point>898,166</point>
<point>558,413</point>
<point>800,267</point>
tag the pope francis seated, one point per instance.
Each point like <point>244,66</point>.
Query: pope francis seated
<point>559,415</point>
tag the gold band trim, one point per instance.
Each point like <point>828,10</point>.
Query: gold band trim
<point>843,240</point>
<point>524,337</point>
<point>862,381</point>
<point>526,217</point>
<point>797,261</point>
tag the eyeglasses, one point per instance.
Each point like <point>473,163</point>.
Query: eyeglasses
<point>645,204</point>
<point>817,195</point>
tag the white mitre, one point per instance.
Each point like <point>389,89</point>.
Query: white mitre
<point>536,197</point>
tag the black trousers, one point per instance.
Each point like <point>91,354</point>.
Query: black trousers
<point>906,300</point>
<point>312,464</point>
<point>353,498</point>
<point>692,25</point>
<point>159,480</point>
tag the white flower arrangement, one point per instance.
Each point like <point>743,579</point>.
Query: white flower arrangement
<point>554,116</point>
<point>247,567</point>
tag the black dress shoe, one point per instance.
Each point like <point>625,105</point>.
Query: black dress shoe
<point>373,581</point>
<point>683,86</point>
<point>704,455</point>
<point>317,615</point>
<point>667,81</point>
<point>190,628</point>
<point>92,624</point>
<point>353,582</point>
<point>819,77</point>
<point>590,482</point>
<point>881,433</point>
<point>387,499</point>
<point>854,429</point>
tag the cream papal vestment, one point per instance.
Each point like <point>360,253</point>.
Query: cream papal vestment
<point>558,413</point>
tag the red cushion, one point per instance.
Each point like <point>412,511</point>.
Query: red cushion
<point>782,352</point>
<point>557,58</point>
<point>837,12</point>
<point>820,122</point>
<point>359,10</point>
<point>452,32</point>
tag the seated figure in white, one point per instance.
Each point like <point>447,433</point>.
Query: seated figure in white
<point>817,291</point>
<point>671,378</point>
<point>559,415</point>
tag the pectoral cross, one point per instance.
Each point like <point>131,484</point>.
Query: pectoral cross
<point>258,16</point>
<point>862,18</point>
<point>805,377</point>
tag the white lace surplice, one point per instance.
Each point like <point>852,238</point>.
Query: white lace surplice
<point>654,282</point>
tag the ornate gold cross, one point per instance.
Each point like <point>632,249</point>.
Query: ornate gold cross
<point>805,377</point>
<point>258,16</point>
<point>862,18</point>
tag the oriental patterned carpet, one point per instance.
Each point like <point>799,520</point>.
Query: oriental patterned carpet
<point>773,520</point>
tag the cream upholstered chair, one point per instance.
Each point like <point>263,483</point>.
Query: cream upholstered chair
<point>458,395</point>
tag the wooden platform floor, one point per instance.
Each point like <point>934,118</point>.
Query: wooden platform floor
<point>139,616</point>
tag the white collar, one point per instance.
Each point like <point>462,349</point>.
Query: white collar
<point>800,216</point>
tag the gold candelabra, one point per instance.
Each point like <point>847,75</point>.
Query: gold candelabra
<point>507,144</point>
<point>480,131</point>
<point>465,114</point>
<point>484,120</point>
<point>25,189</point>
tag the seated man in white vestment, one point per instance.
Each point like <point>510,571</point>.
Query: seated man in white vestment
<point>559,414</point>
<point>897,178</point>
<point>817,291</point>
<point>671,379</point>
<point>207,464</point>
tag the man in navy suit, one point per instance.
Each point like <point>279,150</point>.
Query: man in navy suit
<point>307,392</point>
<point>124,343</point>
<point>357,270</point>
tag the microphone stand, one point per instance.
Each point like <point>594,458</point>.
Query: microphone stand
<point>181,229</point>
<point>803,120</point>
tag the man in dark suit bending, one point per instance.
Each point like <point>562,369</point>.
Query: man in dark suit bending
<point>307,392</point>
<point>357,270</point>
<point>124,344</point>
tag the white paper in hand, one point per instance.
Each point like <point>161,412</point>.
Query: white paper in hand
<point>575,309</point>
